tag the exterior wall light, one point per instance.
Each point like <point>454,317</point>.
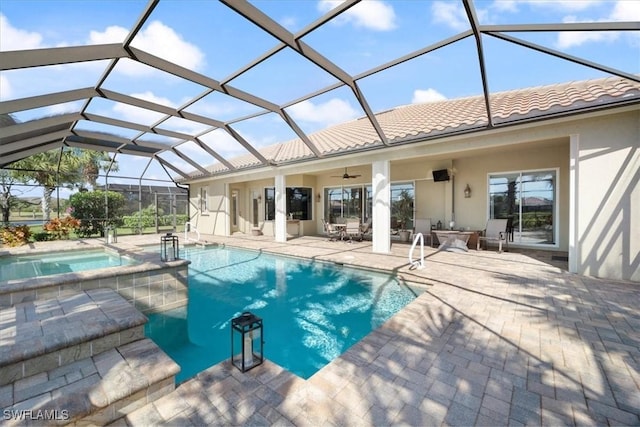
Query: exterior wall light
<point>467,192</point>
<point>246,341</point>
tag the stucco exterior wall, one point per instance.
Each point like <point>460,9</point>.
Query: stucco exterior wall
<point>473,212</point>
<point>596,156</point>
<point>216,219</point>
<point>608,197</point>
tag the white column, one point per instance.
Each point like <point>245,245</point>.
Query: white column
<point>381,187</point>
<point>574,176</point>
<point>227,209</point>
<point>281,209</point>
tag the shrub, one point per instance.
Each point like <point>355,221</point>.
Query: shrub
<point>41,236</point>
<point>90,208</point>
<point>143,220</point>
<point>15,236</point>
<point>138,221</point>
<point>60,228</point>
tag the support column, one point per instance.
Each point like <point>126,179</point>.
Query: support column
<point>381,218</point>
<point>281,209</point>
<point>227,209</point>
<point>574,169</point>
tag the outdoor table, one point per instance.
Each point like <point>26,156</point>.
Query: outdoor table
<point>451,240</point>
<point>342,228</point>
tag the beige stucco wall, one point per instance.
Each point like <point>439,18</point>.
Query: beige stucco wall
<point>473,212</point>
<point>606,217</point>
<point>608,197</point>
<point>216,219</point>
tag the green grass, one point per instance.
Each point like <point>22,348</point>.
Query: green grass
<point>123,231</point>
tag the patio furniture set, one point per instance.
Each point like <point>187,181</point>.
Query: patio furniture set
<point>349,229</point>
<point>449,240</point>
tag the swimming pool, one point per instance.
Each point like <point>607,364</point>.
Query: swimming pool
<point>14,267</point>
<point>312,312</point>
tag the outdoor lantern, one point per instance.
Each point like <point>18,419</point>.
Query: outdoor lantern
<point>246,341</point>
<point>467,191</point>
<point>112,234</point>
<point>169,250</point>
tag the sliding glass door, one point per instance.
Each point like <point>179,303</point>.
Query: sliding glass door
<point>356,202</point>
<point>342,202</point>
<point>528,199</point>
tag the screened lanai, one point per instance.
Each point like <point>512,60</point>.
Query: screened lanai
<point>172,90</point>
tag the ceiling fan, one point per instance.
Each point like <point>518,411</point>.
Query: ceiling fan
<point>345,175</point>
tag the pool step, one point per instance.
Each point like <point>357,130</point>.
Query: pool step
<point>96,390</point>
<point>38,336</point>
<point>81,359</point>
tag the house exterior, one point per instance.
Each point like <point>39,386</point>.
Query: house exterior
<point>568,179</point>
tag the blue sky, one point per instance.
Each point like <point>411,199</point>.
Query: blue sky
<point>210,38</point>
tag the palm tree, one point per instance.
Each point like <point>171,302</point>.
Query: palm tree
<point>61,168</point>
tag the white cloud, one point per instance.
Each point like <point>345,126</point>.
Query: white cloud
<point>112,34</point>
<point>141,115</point>
<point>16,39</point>
<point>223,144</point>
<point>566,5</point>
<point>623,10</point>
<point>332,112</point>
<point>571,39</point>
<point>289,22</point>
<point>626,11</point>
<point>67,107</point>
<point>157,39</point>
<point>6,91</point>
<point>372,14</point>
<point>427,95</point>
<point>505,5</point>
<point>451,14</point>
<point>561,5</point>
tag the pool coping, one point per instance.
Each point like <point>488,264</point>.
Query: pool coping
<point>401,275</point>
<point>150,284</point>
<point>143,264</point>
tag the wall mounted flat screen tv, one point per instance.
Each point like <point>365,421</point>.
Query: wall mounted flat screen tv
<point>441,175</point>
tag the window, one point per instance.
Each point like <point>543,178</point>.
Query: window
<point>402,201</point>
<point>345,202</point>
<point>204,200</point>
<point>269,204</point>
<point>234,208</point>
<point>528,200</point>
<point>299,203</point>
<point>299,200</point>
<point>356,202</point>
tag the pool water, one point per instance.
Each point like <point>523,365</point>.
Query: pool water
<point>312,312</point>
<point>23,267</point>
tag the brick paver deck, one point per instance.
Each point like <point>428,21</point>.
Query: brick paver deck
<point>495,339</point>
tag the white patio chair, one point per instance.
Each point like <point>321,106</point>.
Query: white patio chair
<point>329,231</point>
<point>353,229</point>
<point>496,232</point>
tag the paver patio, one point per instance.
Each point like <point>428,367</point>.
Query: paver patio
<point>495,339</point>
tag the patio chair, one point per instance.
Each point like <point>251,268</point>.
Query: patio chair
<point>423,225</point>
<point>496,232</point>
<point>329,231</point>
<point>365,229</point>
<point>353,229</point>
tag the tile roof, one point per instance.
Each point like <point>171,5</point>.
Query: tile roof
<point>418,121</point>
